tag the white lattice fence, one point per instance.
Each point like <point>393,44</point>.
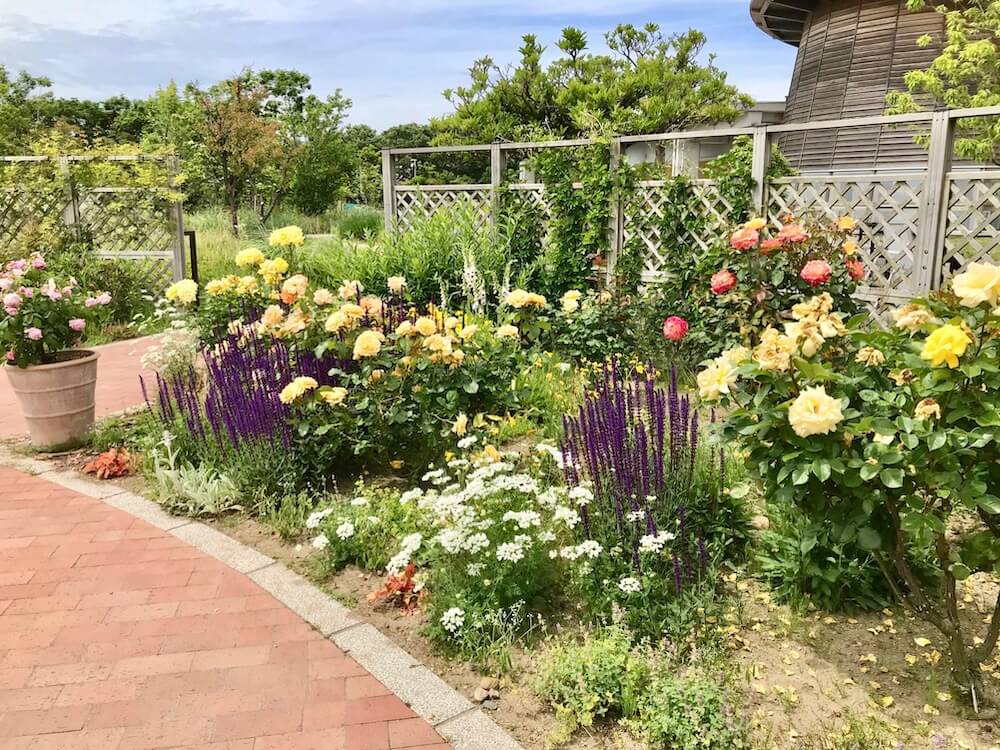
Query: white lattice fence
<point>972,228</point>
<point>701,223</point>
<point>888,209</point>
<point>415,202</point>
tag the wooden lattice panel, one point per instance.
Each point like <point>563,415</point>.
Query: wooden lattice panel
<point>418,202</point>
<point>644,212</point>
<point>972,228</point>
<point>22,209</point>
<point>888,210</point>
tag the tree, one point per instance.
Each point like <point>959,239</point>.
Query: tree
<point>965,74</point>
<point>650,82</point>
<point>238,140</point>
<point>18,116</point>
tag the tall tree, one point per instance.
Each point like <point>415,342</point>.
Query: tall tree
<point>650,82</point>
<point>965,74</point>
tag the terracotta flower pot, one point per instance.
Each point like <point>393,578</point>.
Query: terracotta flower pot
<point>57,399</point>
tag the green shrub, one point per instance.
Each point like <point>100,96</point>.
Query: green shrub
<point>359,223</point>
<point>602,677</point>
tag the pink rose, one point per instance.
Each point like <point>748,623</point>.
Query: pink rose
<point>10,356</point>
<point>78,324</point>
<point>793,233</point>
<point>35,334</point>
<point>104,298</point>
<point>745,238</point>
<point>38,262</point>
<point>723,281</point>
<point>19,265</point>
<point>12,311</point>
<point>675,328</point>
<point>26,292</point>
<point>12,300</point>
<point>90,302</point>
<point>816,272</point>
<point>5,284</point>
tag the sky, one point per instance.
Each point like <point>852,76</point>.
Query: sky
<point>392,58</point>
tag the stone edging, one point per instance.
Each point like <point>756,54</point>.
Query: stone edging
<point>453,716</point>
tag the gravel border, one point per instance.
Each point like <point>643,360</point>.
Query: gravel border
<point>448,711</point>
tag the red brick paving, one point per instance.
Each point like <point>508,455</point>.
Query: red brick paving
<point>115,635</point>
<point>118,370</point>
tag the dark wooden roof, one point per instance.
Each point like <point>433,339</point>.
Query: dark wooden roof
<point>782,19</point>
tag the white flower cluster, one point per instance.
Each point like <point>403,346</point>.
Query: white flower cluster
<point>401,559</point>
<point>630,585</point>
<point>453,620</point>
<point>655,543</point>
<point>316,518</point>
<point>345,530</point>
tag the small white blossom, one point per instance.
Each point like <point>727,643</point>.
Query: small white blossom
<point>474,570</point>
<point>524,519</point>
<point>475,543</point>
<point>359,502</point>
<point>581,494</point>
<point>467,442</point>
<point>321,542</point>
<point>345,530</point>
<point>630,585</point>
<point>414,494</point>
<point>510,552</point>
<point>315,518</point>
<point>567,515</point>
<point>589,548</point>
<point>453,620</point>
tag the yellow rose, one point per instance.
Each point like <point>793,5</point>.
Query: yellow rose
<point>945,346</point>
<point>336,322</point>
<point>323,297</point>
<point>215,287</point>
<point>927,409</point>
<point>756,224</point>
<point>184,291</point>
<point>536,300</point>
<point>425,326</point>
<point>774,351</point>
<point>847,223</point>
<point>736,356</point>
<point>870,356</point>
<point>438,343</point>
<point>367,344</point>
<point>333,396</point>
<point>715,380</point>
<point>461,424</point>
<point>911,316</point>
<point>604,297</point>
<point>979,283</point>
<point>246,285</point>
<point>290,236</point>
<point>249,257</point>
<point>468,332</point>
<point>814,412</point>
<point>850,247</point>
<point>507,331</point>
<point>570,301</point>
<point>517,298</point>
<point>296,389</point>
<point>273,269</point>
<point>396,284</point>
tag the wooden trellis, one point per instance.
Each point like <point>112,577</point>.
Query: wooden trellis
<point>918,226</point>
<point>137,225</point>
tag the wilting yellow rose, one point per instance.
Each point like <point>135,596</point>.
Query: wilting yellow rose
<point>333,396</point>
<point>273,269</point>
<point>715,380</point>
<point>290,236</point>
<point>296,389</point>
<point>736,356</point>
<point>249,257</point>
<point>774,351</point>
<point>814,307</point>
<point>756,224</point>
<point>847,223</point>
<point>814,412</point>
<point>927,409</point>
<point>323,297</point>
<point>807,336</point>
<point>536,300</point>
<point>945,346</point>
<point>507,331</point>
<point>870,356</point>
<point>396,284</point>
<point>438,343</point>
<point>850,247</point>
<point>460,425</point>
<point>979,283</point>
<point>425,326</point>
<point>367,344</point>
<point>911,316</point>
<point>246,285</point>
<point>184,291</point>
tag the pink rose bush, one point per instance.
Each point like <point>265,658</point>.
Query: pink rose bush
<point>42,315</point>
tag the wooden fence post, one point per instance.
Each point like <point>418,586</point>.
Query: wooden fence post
<point>388,190</point>
<point>496,180</point>
<point>177,214</point>
<point>932,219</point>
<point>758,168</point>
<point>71,213</point>
<point>616,225</point>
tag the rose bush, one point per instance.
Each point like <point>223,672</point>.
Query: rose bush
<point>888,438</point>
<point>42,315</point>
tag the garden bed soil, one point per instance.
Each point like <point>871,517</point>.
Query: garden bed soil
<point>804,676</point>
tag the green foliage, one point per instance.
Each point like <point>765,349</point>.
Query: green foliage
<point>733,178</point>
<point>602,677</point>
<point>964,74</point>
<point>190,490</point>
<point>651,82</point>
<point>359,223</point>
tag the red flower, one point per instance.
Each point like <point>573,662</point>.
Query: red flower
<point>793,233</point>
<point>675,328</point>
<point>723,281</point>
<point>856,269</point>
<point>816,272</point>
<point>745,238</point>
<point>772,244</point>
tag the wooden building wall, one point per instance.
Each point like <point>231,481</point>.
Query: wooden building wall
<point>852,53</point>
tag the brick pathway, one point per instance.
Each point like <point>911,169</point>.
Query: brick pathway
<point>115,635</point>
<point>118,389</point>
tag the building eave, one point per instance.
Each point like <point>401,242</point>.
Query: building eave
<point>782,19</point>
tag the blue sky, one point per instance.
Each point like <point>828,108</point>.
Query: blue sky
<point>393,58</point>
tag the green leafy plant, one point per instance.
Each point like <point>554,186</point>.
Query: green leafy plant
<point>359,223</point>
<point>190,490</point>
